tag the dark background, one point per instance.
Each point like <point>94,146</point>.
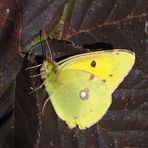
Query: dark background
<point>90,25</point>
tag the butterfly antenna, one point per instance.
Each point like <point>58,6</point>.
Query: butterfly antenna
<point>44,105</point>
<point>47,44</point>
<point>32,67</point>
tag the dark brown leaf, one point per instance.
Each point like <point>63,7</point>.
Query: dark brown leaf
<point>7,118</point>
<point>114,24</point>
<point>10,64</point>
<point>38,15</point>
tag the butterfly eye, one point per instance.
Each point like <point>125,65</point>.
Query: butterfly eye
<point>93,64</point>
<point>84,94</point>
<point>48,66</point>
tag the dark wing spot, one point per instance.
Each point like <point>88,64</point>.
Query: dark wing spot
<point>110,75</point>
<point>75,117</point>
<point>91,77</point>
<point>93,64</point>
<point>104,80</point>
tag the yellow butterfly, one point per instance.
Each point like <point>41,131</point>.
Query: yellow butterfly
<point>80,87</point>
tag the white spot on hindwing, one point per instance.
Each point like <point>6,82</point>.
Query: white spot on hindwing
<point>84,94</point>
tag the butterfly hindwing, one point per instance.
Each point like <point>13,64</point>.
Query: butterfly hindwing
<point>79,98</point>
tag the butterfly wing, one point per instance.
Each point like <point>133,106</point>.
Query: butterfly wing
<point>111,66</point>
<point>79,98</point>
<point>81,86</point>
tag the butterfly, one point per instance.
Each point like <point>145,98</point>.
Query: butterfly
<point>80,87</point>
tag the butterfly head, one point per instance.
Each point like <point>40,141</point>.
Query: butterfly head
<point>48,67</point>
